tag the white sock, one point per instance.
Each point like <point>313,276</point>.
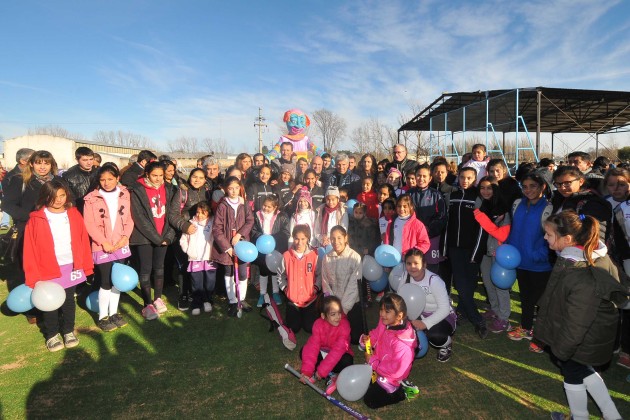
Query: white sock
<point>103,303</point>
<point>242,289</point>
<point>597,388</point>
<point>275,284</point>
<point>229,288</point>
<point>114,297</point>
<point>449,340</point>
<point>263,284</point>
<point>578,400</point>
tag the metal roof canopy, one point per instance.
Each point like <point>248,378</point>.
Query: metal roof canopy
<point>557,110</point>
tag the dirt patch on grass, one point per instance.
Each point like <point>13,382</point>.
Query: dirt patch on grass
<point>15,365</point>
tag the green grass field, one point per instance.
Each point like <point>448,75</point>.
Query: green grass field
<point>211,366</point>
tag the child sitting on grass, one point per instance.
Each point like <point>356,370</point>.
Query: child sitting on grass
<point>327,352</point>
<point>394,343</point>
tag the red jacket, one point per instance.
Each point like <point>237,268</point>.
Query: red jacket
<point>299,280</point>
<point>370,199</point>
<point>40,262</point>
<point>414,236</point>
<point>334,340</point>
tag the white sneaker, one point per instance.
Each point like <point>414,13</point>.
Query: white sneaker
<point>207,307</point>
<point>196,311</point>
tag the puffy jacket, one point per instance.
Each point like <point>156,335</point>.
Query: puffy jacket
<point>577,316</point>
<point>394,352</point>
<point>131,175</point>
<point>40,261</point>
<point>527,235</point>
<point>198,245</point>
<point>414,235</point>
<point>279,230</point>
<point>224,222</point>
<point>97,219</point>
<point>257,192</point>
<point>364,233</point>
<point>339,276</point>
<point>298,277</point>
<point>144,230</point>
<point>190,197</point>
<point>79,182</point>
<point>341,219</point>
<point>370,199</point>
<point>430,209</point>
<point>326,337</point>
<point>510,190</point>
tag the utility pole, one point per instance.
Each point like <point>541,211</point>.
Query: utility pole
<point>260,123</point>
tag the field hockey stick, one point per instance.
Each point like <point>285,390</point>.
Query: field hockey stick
<point>368,345</point>
<point>332,400</point>
<point>239,305</point>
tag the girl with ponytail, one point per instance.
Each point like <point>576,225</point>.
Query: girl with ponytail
<point>578,310</point>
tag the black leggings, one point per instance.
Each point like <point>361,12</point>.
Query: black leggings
<point>531,286</point>
<point>574,372</point>
<point>151,260</point>
<point>301,318</point>
<point>346,360</point>
<point>103,273</point>
<point>66,314</point>
<point>377,397</point>
<point>355,318</point>
<point>439,333</point>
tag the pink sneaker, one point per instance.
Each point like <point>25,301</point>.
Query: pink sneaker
<point>160,306</point>
<point>150,313</point>
<point>498,326</point>
<point>331,384</point>
<point>624,360</point>
<point>488,315</point>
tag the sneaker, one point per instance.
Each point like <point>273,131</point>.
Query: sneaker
<point>461,318</point>
<point>183,304</point>
<point>624,360</point>
<point>481,330</point>
<point>277,298</point>
<point>196,311</point>
<point>411,391</point>
<point>246,306</point>
<point>106,324</point>
<point>150,313</point>
<point>118,320</point>
<point>261,301</point>
<point>556,415</point>
<point>498,326</point>
<point>535,348</point>
<point>54,344</point>
<point>70,340</point>
<point>380,296</point>
<point>444,354</point>
<point>331,384</point>
<point>488,315</point>
<point>520,333</point>
<point>232,310</point>
<point>160,306</point>
<point>207,307</point>
<point>288,337</point>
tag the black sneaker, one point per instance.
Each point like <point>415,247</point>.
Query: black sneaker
<point>106,324</point>
<point>183,304</point>
<point>246,306</point>
<point>232,310</point>
<point>481,330</point>
<point>444,354</point>
<point>118,320</point>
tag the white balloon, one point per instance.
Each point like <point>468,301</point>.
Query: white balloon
<point>353,382</point>
<point>274,261</point>
<point>415,298</point>
<point>48,296</point>
<point>396,276</point>
<point>372,271</point>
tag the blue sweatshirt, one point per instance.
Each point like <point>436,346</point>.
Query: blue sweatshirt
<point>527,235</point>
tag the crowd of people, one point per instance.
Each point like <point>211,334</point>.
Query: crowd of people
<point>570,224</point>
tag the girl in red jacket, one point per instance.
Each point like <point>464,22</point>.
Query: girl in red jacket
<point>406,231</point>
<point>299,281</point>
<point>57,248</point>
<point>327,352</point>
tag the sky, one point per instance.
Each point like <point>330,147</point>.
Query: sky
<point>167,69</point>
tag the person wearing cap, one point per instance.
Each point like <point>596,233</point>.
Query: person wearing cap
<point>344,177</point>
<point>304,215</point>
<point>330,214</point>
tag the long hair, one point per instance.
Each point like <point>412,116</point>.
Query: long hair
<point>584,230</point>
<point>48,194</point>
<point>38,157</point>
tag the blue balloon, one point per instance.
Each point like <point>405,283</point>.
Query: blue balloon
<point>322,251</point>
<point>508,256</point>
<point>423,344</point>
<point>19,300</point>
<point>387,256</point>
<point>328,248</point>
<point>350,206</point>
<point>502,277</point>
<point>246,251</point>
<point>124,278</point>
<point>380,284</point>
<point>265,244</point>
<point>91,301</point>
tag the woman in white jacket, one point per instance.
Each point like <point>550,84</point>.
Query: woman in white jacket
<point>202,271</point>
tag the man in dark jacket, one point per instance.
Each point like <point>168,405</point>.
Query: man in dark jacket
<point>401,162</point>
<point>81,176</point>
<point>344,177</point>
<point>131,175</point>
<point>21,157</point>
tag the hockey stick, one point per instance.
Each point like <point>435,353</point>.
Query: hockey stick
<point>334,401</point>
<point>368,345</point>
<point>239,312</point>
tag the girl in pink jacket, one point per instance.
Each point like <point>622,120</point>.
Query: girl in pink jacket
<point>107,214</point>
<point>327,352</point>
<point>394,343</point>
<point>406,231</point>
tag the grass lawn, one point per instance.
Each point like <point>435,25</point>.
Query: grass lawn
<point>211,366</point>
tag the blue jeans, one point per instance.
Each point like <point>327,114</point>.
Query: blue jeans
<point>465,278</point>
<point>202,287</point>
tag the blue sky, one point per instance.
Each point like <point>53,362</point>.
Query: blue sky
<point>166,69</point>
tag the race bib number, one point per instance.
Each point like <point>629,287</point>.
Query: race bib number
<point>70,277</point>
<point>100,257</point>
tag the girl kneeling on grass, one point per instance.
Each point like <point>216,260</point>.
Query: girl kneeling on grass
<point>197,246</point>
<point>299,281</point>
<point>394,342</point>
<point>577,310</point>
<point>57,248</point>
<point>107,214</point>
<point>327,352</point>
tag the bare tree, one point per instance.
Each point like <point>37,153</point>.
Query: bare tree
<point>122,138</point>
<point>330,127</point>
<point>55,130</point>
<point>183,145</point>
<point>215,146</point>
<point>374,137</point>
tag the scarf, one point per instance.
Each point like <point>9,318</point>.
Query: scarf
<point>326,216</point>
<point>44,179</point>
